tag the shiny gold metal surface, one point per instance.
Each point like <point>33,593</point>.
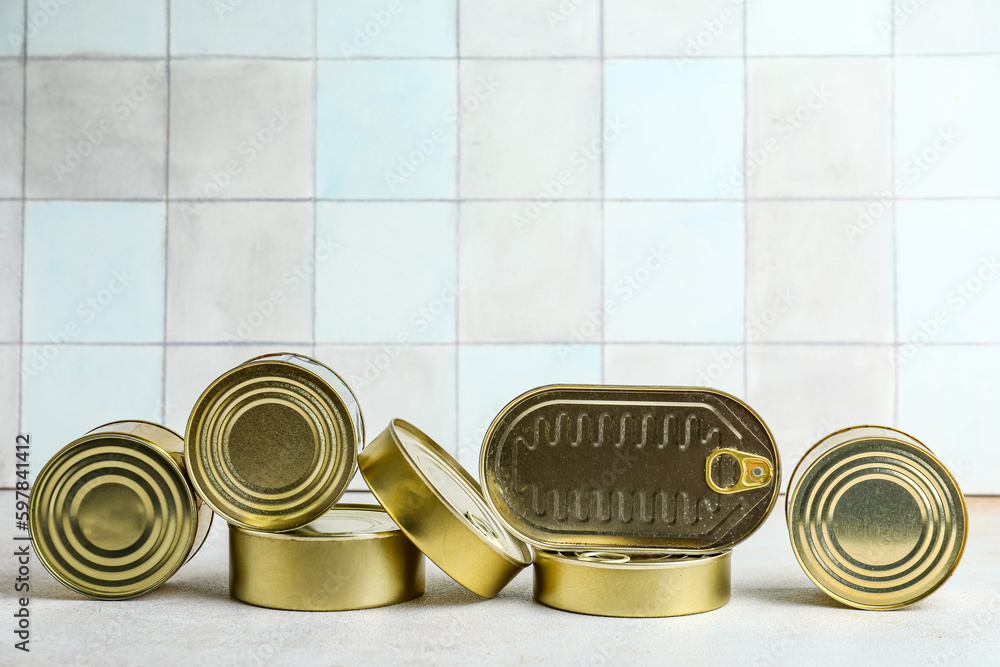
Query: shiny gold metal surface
<point>875,519</point>
<point>353,557</point>
<point>441,508</point>
<point>272,444</point>
<point>636,585</point>
<point>113,515</point>
<point>570,467</point>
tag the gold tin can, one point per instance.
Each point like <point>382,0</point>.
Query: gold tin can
<point>875,519</point>
<point>636,585</point>
<point>441,509</point>
<point>578,467</point>
<point>353,557</point>
<point>273,443</point>
<point>113,514</point>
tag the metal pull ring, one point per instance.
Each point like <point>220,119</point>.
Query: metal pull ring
<point>755,471</point>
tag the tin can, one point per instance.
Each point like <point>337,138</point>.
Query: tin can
<point>441,509</point>
<point>113,514</point>
<point>637,585</point>
<point>353,557</point>
<point>272,444</point>
<point>615,468</point>
<point>875,519</point>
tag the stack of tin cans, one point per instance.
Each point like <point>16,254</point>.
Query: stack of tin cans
<point>631,499</point>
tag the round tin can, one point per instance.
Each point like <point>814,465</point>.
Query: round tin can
<point>636,585</point>
<point>875,519</point>
<point>272,444</point>
<point>113,514</point>
<point>353,557</point>
<point>441,509</point>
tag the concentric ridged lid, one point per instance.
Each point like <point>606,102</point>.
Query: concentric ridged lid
<point>112,515</point>
<point>272,444</point>
<point>875,519</point>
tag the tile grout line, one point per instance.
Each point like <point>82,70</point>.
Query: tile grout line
<point>24,221</point>
<point>306,200</point>
<point>680,56</point>
<point>458,222</point>
<point>529,343</point>
<point>892,221</point>
<point>746,213</point>
<point>166,230</point>
<point>315,176</point>
<point>604,194</point>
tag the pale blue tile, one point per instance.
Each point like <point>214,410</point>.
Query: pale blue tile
<point>947,137</point>
<point>383,129</point>
<point>947,26</point>
<point>71,389</point>
<point>947,399</point>
<point>682,133</point>
<point>10,271</point>
<point>12,28</point>
<point>93,272</point>
<point>674,272</point>
<point>386,28</point>
<point>246,28</point>
<point>101,27</point>
<point>819,27</point>
<point>949,272</point>
<point>385,272</point>
<point>490,376</point>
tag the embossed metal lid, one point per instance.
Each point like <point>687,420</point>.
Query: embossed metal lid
<point>441,508</point>
<point>272,444</point>
<point>570,467</point>
<point>112,514</point>
<point>875,519</point>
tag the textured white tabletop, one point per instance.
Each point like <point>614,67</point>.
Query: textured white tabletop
<point>776,617</point>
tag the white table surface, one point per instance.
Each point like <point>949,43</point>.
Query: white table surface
<point>776,617</point>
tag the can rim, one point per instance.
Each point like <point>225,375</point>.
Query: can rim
<point>927,450</point>
<point>324,537</point>
<point>545,546</point>
<point>136,421</point>
<point>682,560</point>
<point>190,496</point>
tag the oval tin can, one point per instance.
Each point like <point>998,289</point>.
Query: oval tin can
<point>353,557</point>
<point>113,514</point>
<point>272,444</point>
<point>875,519</point>
<point>569,467</point>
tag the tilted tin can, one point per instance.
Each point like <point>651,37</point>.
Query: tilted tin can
<point>637,585</point>
<point>113,514</point>
<point>272,444</point>
<point>875,519</point>
<point>441,509</point>
<point>614,468</point>
<point>353,557</point>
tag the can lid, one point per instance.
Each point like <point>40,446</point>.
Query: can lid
<point>353,557</point>
<point>112,515</point>
<point>620,468</point>
<point>272,444</point>
<point>875,519</point>
<point>441,509</point>
<point>645,584</point>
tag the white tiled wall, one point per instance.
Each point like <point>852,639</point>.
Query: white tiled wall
<point>452,201</point>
